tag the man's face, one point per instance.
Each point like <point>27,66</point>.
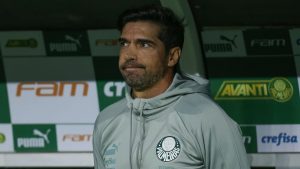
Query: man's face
<point>142,60</point>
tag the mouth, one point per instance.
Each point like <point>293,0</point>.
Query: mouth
<point>132,67</point>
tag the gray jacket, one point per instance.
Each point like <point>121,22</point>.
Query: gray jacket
<point>181,128</point>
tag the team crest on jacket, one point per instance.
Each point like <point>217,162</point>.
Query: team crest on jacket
<point>168,149</point>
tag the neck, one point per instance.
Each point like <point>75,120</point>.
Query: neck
<point>155,90</point>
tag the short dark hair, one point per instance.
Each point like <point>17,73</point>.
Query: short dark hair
<point>172,30</point>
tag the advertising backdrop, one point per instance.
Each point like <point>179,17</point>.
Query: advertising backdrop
<point>53,84</point>
<point>259,88</point>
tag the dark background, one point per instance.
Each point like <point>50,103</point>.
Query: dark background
<point>99,14</point>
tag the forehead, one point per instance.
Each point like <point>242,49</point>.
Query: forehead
<point>141,28</point>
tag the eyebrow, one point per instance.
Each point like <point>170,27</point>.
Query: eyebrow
<point>145,41</point>
<point>138,40</point>
<point>122,40</point>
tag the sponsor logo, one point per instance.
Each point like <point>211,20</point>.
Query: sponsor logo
<point>77,137</point>
<point>110,92</point>
<point>71,44</point>
<point>107,42</point>
<point>2,138</point>
<point>279,89</point>
<point>281,138</point>
<point>30,43</point>
<point>110,156</point>
<point>168,149</point>
<point>227,46</point>
<point>114,89</point>
<point>52,88</point>
<point>39,141</point>
<point>268,43</point>
<point>35,138</point>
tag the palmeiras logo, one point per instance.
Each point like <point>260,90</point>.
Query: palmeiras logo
<point>281,89</point>
<point>168,149</point>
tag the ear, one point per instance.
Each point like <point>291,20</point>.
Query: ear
<point>174,56</point>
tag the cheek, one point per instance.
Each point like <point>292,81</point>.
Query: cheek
<point>154,62</point>
<point>122,57</point>
<point>120,60</point>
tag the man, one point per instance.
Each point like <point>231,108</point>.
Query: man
<point>167,120</point>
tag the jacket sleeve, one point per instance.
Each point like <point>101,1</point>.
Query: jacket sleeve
<point>222,145</point>
<point>98,160</point>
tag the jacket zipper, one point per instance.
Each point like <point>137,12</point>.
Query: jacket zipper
<point>141,139</point>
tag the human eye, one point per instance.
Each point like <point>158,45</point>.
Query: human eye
<point>123,43</point>
<point>145,43</point>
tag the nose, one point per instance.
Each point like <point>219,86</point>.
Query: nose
<point>130,57</point>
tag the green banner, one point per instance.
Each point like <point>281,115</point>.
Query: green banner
<point>110,92</point>
<point>249,138</point>
<point>256,90</point>
<point>4,105</point>
<point>110,84</point>
<point>35,138</point>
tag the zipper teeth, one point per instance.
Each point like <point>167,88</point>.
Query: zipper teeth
<point>130,139</point>
<point>139,153</point>
<point>142,136</point>
<point>141,142</point>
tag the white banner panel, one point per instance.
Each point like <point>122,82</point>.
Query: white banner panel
<point>51,90</point>
<point>278,138</point>
<point>74,137</point>
<point>104,42</point>
<point>6,138</point>
<point>22,43</point>
<point>223,43</point>
<point>295,38</point>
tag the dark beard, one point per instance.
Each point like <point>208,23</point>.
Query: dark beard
<point>140,82</point>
